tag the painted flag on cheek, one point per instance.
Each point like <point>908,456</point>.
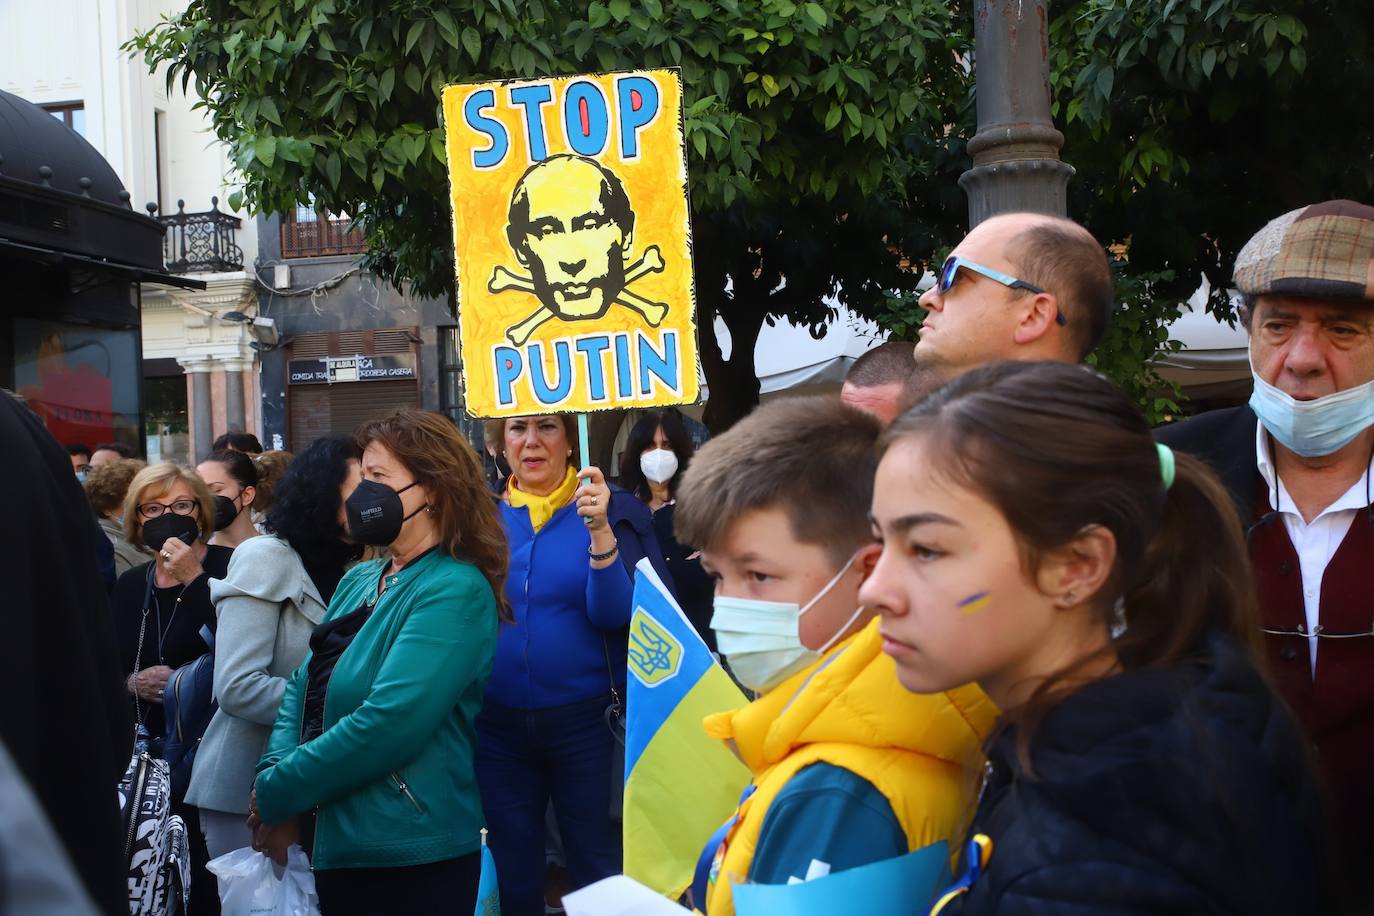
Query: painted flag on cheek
<point>680,785</point>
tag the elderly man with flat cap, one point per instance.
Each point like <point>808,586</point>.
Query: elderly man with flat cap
<point>1297,460</point>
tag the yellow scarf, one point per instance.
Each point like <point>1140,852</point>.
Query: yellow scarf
<point>542,508</point>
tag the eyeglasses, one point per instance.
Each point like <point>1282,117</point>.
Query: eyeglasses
<point>950,271</point>
<point>1318,631</point>
<point>1302,630</point>
<point>180,507</point>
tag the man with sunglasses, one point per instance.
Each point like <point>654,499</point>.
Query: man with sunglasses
<point>1298,461</point>
<point>1022,286</point>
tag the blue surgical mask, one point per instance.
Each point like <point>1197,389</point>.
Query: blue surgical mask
<point>762,639</point>
<point>1321,426</point>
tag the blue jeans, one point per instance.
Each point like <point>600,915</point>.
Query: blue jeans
<point>527,758</point>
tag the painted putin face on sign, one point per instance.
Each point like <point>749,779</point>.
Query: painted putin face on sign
<point>571,228</point>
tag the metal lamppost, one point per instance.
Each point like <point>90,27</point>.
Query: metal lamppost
<point>1016,164</point>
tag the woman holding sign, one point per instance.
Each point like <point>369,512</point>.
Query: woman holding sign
<point>547,732</point>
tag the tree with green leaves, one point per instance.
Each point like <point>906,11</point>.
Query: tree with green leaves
<point>825,138</point>
<point>805,124</point>
<point>1192,123</point>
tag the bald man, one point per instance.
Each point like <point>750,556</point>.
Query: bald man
<point>1021,286</point>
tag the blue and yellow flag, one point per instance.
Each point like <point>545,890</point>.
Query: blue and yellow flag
<point>679,784</point>
<point>488,895</point>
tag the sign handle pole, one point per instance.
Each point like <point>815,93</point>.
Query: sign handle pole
<point>583,447</point>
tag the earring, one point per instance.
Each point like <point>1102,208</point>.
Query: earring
<point>1117,629</point>
<point>569,453</point>
<point>1069,598</point>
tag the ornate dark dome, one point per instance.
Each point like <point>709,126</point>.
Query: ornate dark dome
<point>58,194</point>
<point>32,140</point>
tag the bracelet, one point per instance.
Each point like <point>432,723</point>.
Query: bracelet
<point>598,557</point>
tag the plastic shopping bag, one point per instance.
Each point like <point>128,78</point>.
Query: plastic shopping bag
<point>249,884</point>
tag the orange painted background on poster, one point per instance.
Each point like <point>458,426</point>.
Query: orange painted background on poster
<point>656,183</point>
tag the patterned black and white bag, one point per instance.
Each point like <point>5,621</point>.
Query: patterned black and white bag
<point>155,845</point>
<point>156,849</point>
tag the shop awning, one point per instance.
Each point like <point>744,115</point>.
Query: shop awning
<point>131,272</point>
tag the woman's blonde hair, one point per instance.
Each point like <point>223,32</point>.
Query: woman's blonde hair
<point>157,479</point>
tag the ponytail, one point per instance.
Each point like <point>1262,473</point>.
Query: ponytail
<point>1194,576</point>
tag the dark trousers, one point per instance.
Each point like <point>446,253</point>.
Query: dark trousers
<point>527,758</point>
<point>438,887</point>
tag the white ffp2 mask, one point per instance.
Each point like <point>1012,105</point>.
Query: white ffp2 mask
<point>659,465</point>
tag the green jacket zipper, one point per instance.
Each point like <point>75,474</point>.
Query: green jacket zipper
<point>405,790</point>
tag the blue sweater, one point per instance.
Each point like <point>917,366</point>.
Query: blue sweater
<point>568,639</point>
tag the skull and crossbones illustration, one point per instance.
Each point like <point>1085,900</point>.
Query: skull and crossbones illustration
<point>571,227</point>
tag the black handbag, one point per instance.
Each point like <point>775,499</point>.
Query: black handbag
<point>615,721</point>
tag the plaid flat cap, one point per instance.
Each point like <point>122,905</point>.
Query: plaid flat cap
<point>1323,251</point>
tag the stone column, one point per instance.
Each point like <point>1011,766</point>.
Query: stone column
<point>1015,152</point>
<point>233,393</point>
<point>202,428</point>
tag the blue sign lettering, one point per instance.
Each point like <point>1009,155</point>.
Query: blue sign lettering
<point>509,367</point>
<point>533,99</point>
<point>662,365</point>
<point>636,105</point>
<point>586,120</point>
<point>592,348</point>
<point>493,129</point>
<point>549,395</point>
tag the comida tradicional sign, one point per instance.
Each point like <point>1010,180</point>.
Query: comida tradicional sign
<point>328,370</point>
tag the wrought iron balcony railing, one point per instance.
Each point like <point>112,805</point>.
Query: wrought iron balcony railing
<point>200,242</point>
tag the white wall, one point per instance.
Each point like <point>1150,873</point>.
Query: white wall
<point>69,51</point>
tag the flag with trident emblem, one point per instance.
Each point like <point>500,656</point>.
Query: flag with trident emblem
<point>679,784</point>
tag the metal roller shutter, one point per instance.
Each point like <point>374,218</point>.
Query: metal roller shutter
<point>321,410</point>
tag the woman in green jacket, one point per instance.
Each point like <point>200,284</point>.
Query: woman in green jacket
<point>370,762</point>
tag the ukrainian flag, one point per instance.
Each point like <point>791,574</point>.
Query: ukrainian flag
<point>679,785</point>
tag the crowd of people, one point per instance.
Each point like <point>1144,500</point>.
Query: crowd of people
<point>974,598</point>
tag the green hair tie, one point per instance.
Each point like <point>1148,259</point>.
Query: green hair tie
<point>1166,464</point>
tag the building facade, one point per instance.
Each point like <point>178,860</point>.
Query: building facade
<point>199,370</point>
<point>350,346</point>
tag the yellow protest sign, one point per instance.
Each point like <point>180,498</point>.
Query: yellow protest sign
<point>573,241</point>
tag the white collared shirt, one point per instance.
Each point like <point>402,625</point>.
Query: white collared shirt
<point>1317,541</point>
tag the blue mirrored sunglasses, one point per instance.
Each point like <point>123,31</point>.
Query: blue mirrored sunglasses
<point>954,262</point>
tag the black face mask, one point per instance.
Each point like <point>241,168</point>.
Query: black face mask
<point>168,525</point>
<point>225,512</point>
<point>375,513</point>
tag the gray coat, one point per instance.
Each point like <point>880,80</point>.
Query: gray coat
<point>126,555</point>
<point>267,608</point>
